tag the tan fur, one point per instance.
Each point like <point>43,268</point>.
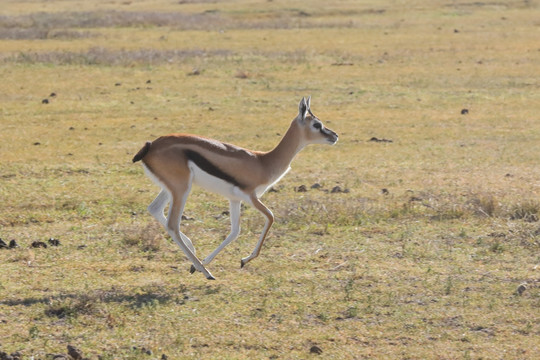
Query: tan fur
<point>252,168</point>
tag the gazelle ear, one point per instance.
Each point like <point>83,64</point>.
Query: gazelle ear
<point>308,102</point>
<point>302,109</point>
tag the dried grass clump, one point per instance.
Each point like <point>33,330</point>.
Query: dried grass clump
<point>71,307</point>
<point>148,238</point>
<point>528,211</point>
<point>485,204</point>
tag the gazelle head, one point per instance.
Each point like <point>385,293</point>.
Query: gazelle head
<point>312,129</point>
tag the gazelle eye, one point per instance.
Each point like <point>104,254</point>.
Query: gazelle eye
<point>317,125</point>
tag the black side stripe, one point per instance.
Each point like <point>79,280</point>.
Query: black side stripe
<point>210,168</point>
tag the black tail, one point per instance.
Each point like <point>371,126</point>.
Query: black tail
<point>142,152</point>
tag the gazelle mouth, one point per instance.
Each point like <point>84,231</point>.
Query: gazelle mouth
<point>333,140</point>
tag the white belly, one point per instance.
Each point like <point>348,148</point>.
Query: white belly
<point>215,184</point>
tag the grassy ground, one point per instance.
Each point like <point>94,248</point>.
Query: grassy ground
<point>421,258</point>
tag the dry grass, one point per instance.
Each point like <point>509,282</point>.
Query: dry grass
<point>428,250</point>
<point>103,56</point>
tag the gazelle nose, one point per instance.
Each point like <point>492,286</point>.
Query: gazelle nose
<point>334,136</point>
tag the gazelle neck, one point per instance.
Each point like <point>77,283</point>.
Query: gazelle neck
<point>283,154</point>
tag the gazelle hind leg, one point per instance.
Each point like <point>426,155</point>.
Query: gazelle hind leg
<point>234,207</point>
<point>188,242</point>
<point>157,207</point>
<point>179,197</point>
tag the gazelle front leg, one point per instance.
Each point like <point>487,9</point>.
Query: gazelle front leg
<point>269,221</point>
<point>234,210</point>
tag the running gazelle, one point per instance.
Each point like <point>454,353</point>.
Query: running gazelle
<point>177,161</point>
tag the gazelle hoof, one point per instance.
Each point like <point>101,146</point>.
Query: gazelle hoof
<point>242,263</point>
<point>211,277</point>
<point>192,269</point>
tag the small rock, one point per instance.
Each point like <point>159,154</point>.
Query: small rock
<point>54,242</point>
<point>80,247</point>
<point>148,81</point>
<point>301,188</point>
<point>13,244</point>
<point>385,191</point>
<point>336,189</point>
<point>146,351</point>
<point>60,357</point>
<point>521,289</point>
<point>315,350</point>
<point>464,111</point>
<point>478,328</point>
<point>38,244</point>
<point>52,95</point>
<point>195,72</point>
<point>118,84</point>
<point>45,101</point>
<point>241,75</point>
<point>3,245</point>
<point>375,139</point>
<point>316,186</point>
<point>164,357</point>
<point>74,352</point>
<point>36,143</point>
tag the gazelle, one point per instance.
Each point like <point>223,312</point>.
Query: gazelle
<point>177,161</point>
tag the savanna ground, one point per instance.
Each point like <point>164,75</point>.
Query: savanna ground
<point>428,268</point>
